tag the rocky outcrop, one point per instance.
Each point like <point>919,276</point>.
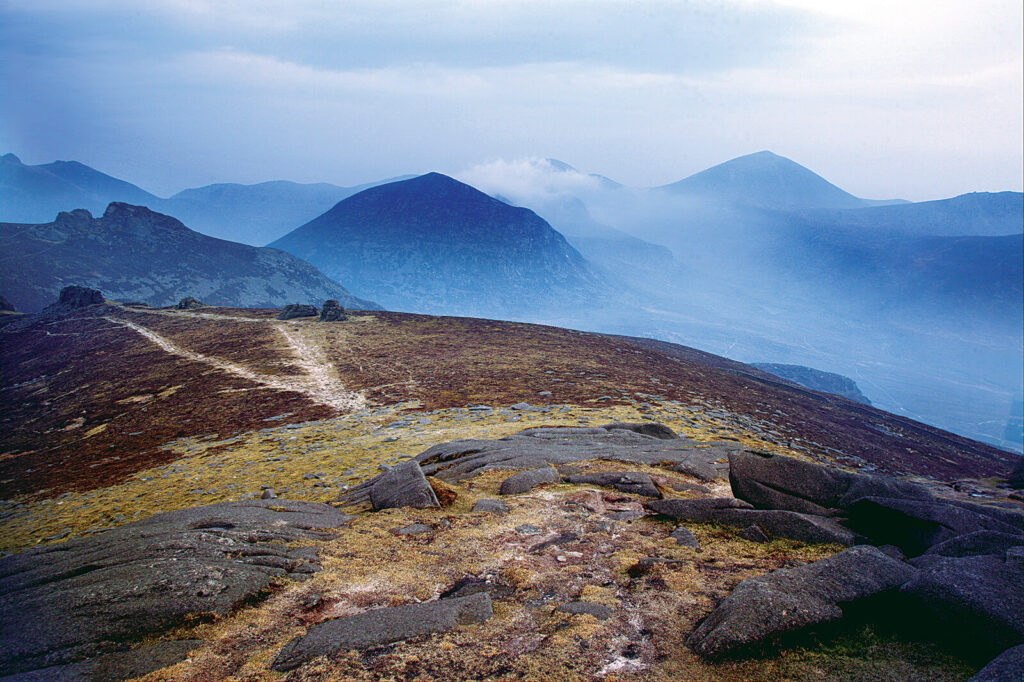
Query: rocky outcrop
<point>795,598</point>
<point>525,481</point>
<point>294,310</point>
<point>188,303</point>
<point>79,297</point>
<point>332,311</point>
<point>96,595</point>
<point>632,482</point>
<point>403,485</point>
<point>1008,665</point>
<point>378,627</point>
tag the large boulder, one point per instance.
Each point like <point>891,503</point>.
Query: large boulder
<point>403,485</point>
<point>378,627</point>
<point>781,524</point>
<point>1005,667</point>
<point>188,303</point>
<point>983,595</point>
<point>79,297</point>
<point>979,542</point>
<point>795,598</point>
<point>68,602</point>
<point>332,311</point>
<point>916,525</point>
<point>632,482</point>
<point>294,310</point>
<point>525,481</point>
<point>776,482</point>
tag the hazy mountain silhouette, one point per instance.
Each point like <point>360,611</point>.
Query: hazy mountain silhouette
<point>34,194</point>
<point>437,245</point>
<point>132,253</point>
<point>765,180</point>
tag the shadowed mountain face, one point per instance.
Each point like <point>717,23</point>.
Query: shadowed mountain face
<point>815,379</point>
<point>765,180</point>
<point>132,253</point>
<point>435,244</point>
<point>33,194</point>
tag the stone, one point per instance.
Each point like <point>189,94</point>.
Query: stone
<point>979,542</point>
<point>753,533</point>
<point>791,599</point>
<point>701,510</point>
<point>633,482</point>
<point>332,311</point>
<point>983,595</point>
<point>268,494</point>
<point>188,303</point>
<point>770,481</point>
<point>1006,667</point>
<point>413,529</point>
<point>491,506</point>
<point>378,627</point>
<point>707,464</point>
<point>525,481</point>
<point>684,537</point>
<point>106,592</point>
<point>529,529</point>
<point>79,297</point>
<point>294,310</point>
<point>403,485</point>
<point>916,525</point>
<point>652,429</point>
<point>121,665</point>
<point>599,611</point>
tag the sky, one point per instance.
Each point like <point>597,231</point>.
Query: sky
<point>897,98</point>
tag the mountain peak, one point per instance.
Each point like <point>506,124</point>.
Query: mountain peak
<point>561,166</point>
<point>10,158</point>
<point>765,180</point>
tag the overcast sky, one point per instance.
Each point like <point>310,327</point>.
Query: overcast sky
<point>885,98</point>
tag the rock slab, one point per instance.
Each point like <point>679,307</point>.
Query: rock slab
<point>294,310</point>
<point>525,481</point>
<point>383,626</point>
<point>403,486</point>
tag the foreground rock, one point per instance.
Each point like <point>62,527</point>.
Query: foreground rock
<point>983,595</point>
<point>525,481</point>
<point>1008,665</point>
<point>332,312</point>
<point>737,513</point>
<point>86,597</point>
<point>383,626</point>
<point>632,482</point>
<point>294,310</point>
<point>792,599</point>
<point>402,486</point>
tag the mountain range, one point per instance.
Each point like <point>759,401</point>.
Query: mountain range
<point>134,254</point>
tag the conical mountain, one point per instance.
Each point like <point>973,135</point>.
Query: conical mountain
<point>765,180</point>
<point>434,244</point>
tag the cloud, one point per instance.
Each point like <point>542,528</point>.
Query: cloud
<point>529,179</point>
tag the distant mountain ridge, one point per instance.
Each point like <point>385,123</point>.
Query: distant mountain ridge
<point>816,379</point>
<point>133,253</point>
<point>434,244</point>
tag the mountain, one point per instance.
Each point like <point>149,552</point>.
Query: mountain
<point>255,214</point>
<point>33,194</point>
<point>815,379</point>
<point>437,245</point>
<point>132,253</point>
<point>765,180</point>
<point>979,214</point>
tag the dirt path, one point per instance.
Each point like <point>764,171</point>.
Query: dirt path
<point>319,383</point>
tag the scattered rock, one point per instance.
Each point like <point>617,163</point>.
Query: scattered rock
<point>414,529</point>
<point>1005,667</point>
<point>525,481</point>
<point>983,595</point>
<point>403,485</point>
<point>294,310</point>
<point>683,536</point>
<point>332,311</point>
<point>791,599</point>
<point>491,506</point>
<point>383,626</point>
<point>633,482</point>
<point>107,591</point>
<point>754,533</point>
<point>188,303</point>
<point>599,611</point>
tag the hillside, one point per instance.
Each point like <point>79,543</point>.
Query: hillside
<point>434,244</point>
<point>134,254</point>
<point>224,406</point>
